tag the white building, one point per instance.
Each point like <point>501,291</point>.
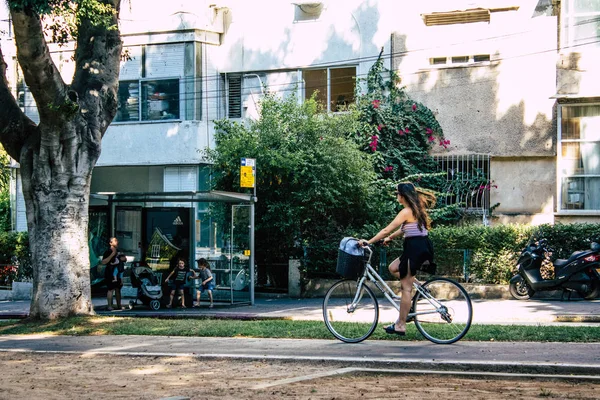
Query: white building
<point>490,78</point>
<point>192,62</point>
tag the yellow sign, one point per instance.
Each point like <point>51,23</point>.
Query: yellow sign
<point>246,176</point>
<point>246,252</point>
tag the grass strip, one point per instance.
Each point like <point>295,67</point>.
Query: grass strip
<point>100,325</point>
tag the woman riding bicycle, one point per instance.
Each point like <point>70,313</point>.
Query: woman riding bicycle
<point>413,223</point>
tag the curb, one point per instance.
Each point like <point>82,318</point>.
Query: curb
<point>578,318</point>
<point>183,315</point>
<point>14,315</point>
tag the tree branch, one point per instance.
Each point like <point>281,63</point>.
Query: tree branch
<point>40,72</point>
<point>15,127</point>
<point>98,56</point>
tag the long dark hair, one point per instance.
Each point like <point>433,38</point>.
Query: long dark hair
<point>418,200</point>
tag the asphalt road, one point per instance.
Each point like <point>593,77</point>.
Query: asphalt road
<point>555,358</point>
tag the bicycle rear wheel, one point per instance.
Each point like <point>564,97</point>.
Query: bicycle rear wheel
<point>447,317</point>
<point>348,320</point>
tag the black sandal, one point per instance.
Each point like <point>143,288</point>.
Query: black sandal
<point>391,329</point>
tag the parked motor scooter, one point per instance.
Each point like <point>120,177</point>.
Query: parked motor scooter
<point>579,273</point>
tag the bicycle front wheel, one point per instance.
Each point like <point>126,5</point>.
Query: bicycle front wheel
<point>445,313</point>
<point>350,316</point>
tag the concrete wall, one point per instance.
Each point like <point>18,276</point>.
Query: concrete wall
<point>577,72</point>
<point>155,143</point>
<point>502,107</point>
<point>526,189</point>
<point>263,35</point>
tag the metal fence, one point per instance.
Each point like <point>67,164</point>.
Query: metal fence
<point>467,182</point>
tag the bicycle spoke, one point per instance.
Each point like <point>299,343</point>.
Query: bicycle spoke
<point>349,320</point>
<point>446,318</point>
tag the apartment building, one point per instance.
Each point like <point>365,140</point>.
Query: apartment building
<point>578,111</point>
<point>487,68</point>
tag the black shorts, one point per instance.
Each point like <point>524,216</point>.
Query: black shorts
<point>417,250</point>
<point>110,285</point>
<point>177,285</point>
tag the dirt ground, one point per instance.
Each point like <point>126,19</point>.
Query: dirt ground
<point>94,376</point>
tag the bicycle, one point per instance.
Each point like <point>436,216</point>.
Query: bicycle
<point>441,308</point>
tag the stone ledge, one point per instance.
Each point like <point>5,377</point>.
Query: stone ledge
<point>318,288</point>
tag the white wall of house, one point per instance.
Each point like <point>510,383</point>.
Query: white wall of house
<point>490,85</point>
<point>501,106</point>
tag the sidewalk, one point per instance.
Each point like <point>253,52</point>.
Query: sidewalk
<point>491,311</point>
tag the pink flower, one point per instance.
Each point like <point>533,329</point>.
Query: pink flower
<point>414,107</point>
<point>389,168</point>
<point>400,132</point>
<point>429,131</point>
<point>376,103</point>
<point>444,143</point>
<point>406,130</point>
<point>431,139</point>
<point>380,127</point>
<point>373,144</point>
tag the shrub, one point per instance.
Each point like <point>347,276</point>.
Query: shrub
<point>491,252</point>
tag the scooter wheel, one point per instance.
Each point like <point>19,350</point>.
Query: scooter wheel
<point>592,292</point>
<point>520,290</point>
<point>131,304</point>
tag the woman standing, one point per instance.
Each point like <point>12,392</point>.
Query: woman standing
<point>413,223</point>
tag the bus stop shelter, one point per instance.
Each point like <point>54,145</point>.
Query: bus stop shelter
<point>157,228</point>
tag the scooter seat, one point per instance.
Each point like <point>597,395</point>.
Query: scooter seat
<point>560,263</point>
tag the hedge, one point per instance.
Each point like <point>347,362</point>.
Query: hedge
<point>489,253</point>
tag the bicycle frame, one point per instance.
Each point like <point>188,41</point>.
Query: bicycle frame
<point>372,275</point>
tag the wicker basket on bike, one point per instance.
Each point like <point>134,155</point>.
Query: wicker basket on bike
<point>351,259</point>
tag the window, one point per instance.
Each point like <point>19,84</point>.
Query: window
<point>468,181</point>
<point>460,60</point>
<point>457,17</point>
<point>335,87</point>
<point>580,22</point>
<point>128,107</point>
<point>579,157</point>
<point>150,88</point>
<point>159,100</point>
<point>448,61</point>
<point>234,89</point>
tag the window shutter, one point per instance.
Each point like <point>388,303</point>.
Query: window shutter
<point>457,17</point>
<point>164,60</point>
<point>235,95</point>
<point>180,179</point>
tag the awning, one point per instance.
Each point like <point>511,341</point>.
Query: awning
<point>575,98</point>
<point>193,197</point>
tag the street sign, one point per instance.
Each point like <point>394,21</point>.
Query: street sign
<point>248,173</point>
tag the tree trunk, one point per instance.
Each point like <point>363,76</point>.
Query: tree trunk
<point>59,245</point>
<point>57,156</point>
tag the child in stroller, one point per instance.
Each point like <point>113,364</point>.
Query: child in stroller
<point>149,290</point>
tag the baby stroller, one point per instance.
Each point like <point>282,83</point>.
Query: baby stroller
<point>149,290</point>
